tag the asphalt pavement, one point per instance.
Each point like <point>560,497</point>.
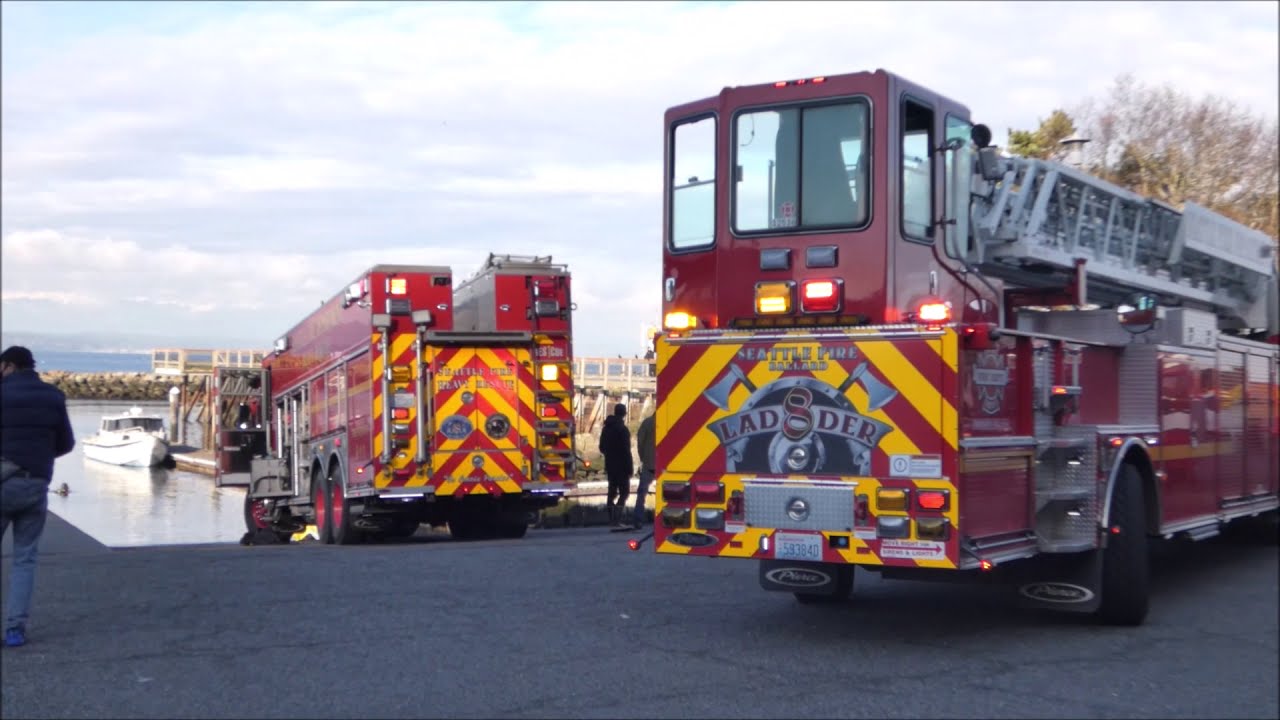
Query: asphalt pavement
<point>568,623</point>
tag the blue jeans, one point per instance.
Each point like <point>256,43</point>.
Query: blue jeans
<point>24,501</point>
<point>642,491</point>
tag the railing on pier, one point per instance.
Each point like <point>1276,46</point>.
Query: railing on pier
<point>631,375</point>
<point>169,361</point>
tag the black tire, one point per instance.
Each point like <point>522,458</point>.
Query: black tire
<point>343,524</point>
<point>513,526</point>
<point>844,588</point>
<point>464,527</point>
<point>256,519</point>
<point>320,502</point>
<point>403,528</point>
<point>1126,569</point>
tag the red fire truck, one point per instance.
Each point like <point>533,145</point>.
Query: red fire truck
<point>888,346</point>
<point>398,403</point>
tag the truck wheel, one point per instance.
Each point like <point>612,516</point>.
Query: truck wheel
<point>403,528</point>
<point>1126,573</point>
<point>257,518</point>
<point>340,510</point>
<point>464,527</point>
<point>513,525</point>
<point>320,501</point>
<point>844,588</point>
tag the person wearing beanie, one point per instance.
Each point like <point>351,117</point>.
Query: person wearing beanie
<point>615,446</point>
<point>34,429</point>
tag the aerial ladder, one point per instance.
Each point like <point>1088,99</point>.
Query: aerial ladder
<point>1038,225</point>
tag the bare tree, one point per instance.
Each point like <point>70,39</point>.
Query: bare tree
<point>1163,144</point>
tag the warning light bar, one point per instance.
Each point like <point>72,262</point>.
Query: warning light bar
<point>802,81</point>
<point>679,321</point>
<point>934,312</point>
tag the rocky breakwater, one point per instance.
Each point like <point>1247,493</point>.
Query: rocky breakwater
<point>115,385</point>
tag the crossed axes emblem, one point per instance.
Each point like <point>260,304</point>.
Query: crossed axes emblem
<point>878,394</point>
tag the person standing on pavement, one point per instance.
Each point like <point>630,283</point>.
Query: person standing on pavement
<point>644,445</point>
<point>615,446</point>
<point>34,429</point>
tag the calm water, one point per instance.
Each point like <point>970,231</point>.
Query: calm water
<point>132,507</point>
<point>91,361</point>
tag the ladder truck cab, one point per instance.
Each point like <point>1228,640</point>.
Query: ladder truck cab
<point>380,416</point>
<point>888,346</point>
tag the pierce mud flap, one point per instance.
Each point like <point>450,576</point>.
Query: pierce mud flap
<point>1066,583</point>
<point>796,576</point>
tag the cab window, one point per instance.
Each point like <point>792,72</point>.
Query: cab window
<point>917,171</point>
<point>801,168</point>
<point>693,184</point>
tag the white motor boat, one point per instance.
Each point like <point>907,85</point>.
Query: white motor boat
<point>131,439</point>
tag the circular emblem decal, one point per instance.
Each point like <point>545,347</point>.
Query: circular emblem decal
<point>497,426</point>
<point>455,427</point>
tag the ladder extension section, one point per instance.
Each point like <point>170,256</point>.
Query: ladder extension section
<point>1034,224</point>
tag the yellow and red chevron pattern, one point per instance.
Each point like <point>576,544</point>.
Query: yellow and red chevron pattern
<point>402,358</point>
<point>869,407</point>
<point>554,369</point>
<point>483,419</point>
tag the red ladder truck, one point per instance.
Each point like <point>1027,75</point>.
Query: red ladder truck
<point>888,346</point>
<point>375,414</point>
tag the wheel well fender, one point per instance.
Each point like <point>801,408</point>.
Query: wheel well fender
<point>1134,452</point>
<point>335,466</point>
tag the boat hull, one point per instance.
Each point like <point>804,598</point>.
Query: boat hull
<point>132,450</point>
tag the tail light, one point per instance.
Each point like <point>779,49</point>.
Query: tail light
<point>709,519</point>
<point>675,492</point>
<point>675,517</point>
<point>933,499</point>
<point>773,298</point>
<point>708,492</point>
<point>932,528</point>
<point>400,413</point>
<point>820,295</point>
<point>891,500</point>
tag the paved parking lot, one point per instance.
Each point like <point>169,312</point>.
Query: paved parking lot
<point>569,623</point>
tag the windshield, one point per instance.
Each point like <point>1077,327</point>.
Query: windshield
<point>801,168</point>
<point>142,423</point>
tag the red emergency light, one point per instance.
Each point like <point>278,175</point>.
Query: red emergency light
<point>820,296</point>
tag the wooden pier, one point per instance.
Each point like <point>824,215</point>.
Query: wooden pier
<point>195,367</point>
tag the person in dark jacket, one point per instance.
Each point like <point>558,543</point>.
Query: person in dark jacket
<point>34,429</point>
<point>615,445</point>
<point>645,446</point>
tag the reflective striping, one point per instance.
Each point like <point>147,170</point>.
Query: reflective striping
<point>917,390</point>
<point>689,388</point>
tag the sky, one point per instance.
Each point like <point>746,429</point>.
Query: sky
<point>216,170</point>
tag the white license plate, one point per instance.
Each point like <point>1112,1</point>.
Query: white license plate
<point>797,546</point>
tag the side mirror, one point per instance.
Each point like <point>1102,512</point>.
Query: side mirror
<point>1138,313</point>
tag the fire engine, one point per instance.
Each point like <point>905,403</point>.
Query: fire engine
<point>401,401</point>
<point>889,346</point>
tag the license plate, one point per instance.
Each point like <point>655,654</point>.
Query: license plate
<point>797,546</point>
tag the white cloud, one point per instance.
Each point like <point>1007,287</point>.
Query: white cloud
<point>232,165</point>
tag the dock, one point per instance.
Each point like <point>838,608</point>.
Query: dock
<point>192,459</point>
